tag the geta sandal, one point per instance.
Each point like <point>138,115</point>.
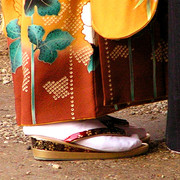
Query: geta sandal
<point>53,149</point>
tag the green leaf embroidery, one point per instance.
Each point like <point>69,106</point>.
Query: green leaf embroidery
<point>148,7</point>
<point>55,40</point>
<point>47,55</point>
<point>139,3</point>
<point>36,33</point>
<point>15,55</point>
<point>13,29</point>
<point>14,32</point>
<point>45,7</point>
<point>92,64</point>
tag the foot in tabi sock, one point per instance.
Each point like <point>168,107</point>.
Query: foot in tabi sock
<point>110,121</point>
<point>88,139</point>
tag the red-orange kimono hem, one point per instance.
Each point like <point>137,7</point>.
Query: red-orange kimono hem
<point>63,71</point>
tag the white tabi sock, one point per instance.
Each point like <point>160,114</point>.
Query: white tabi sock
<point>105,143</point>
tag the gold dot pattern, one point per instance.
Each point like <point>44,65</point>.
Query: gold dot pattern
<point>109,71</point>
<point>161,53</point>
<point>71,83</point>
<point>73,23</point>
<point>26,72</point>
<point>48,20</point>
<point>119,51</point>
<point>83,55</point>
<point>165,51</point>
<point>58,89</point>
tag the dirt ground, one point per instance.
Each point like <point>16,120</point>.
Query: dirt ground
<point>17,163</point>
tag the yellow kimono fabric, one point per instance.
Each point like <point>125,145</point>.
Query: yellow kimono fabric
<point>115,19</point>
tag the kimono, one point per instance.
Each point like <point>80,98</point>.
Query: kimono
<point>64,71</point>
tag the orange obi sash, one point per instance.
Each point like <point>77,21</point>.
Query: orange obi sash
<point>116,19</point>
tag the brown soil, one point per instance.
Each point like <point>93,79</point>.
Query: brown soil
<point>16,160</point>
